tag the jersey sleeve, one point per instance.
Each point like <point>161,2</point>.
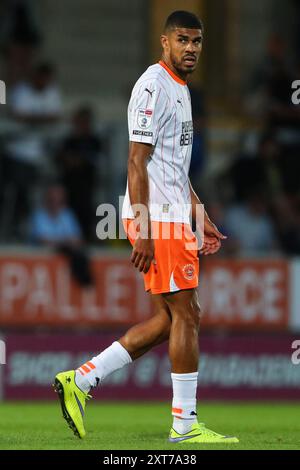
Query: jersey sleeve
<point>148,111</point>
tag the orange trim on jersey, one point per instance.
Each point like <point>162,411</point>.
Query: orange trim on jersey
<point>85,369</point>
<point>177,410</point>
<point>170,72</point>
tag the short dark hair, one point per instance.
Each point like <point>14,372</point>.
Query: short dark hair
<point>183,19</point>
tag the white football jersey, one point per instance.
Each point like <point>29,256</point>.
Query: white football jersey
<point>159,113</point>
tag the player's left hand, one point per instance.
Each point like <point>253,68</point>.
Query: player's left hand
<point>212,238</point>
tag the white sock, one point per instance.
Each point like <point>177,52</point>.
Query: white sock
<point>184,401</point>
<point>94,371</point>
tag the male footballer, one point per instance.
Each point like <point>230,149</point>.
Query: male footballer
<point>157,223</point>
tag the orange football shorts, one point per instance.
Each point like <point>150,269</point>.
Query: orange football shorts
<point>176,263</point>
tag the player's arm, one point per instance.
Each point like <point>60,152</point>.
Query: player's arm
<point>138,186</point>
<point>212,236</point>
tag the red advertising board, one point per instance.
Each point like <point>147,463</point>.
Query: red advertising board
<point>246,293</point>
<point>38,290</point>
<point>231,367</point>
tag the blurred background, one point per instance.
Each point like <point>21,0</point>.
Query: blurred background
<point>69,68</point>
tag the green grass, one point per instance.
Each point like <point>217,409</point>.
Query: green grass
<point>112,426</point>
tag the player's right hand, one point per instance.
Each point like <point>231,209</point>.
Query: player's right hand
<point>143,254</point>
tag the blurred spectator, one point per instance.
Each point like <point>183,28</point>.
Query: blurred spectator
<point>54,225</point>
<point>260,170</point>
<point>77,162</point>
<point>249,227</point>
<point>37,101</point>
<point>272,173</point>
<point>289,165</point>
<point>21,38</point>
<point>271,87</point>
<point>33,105</point>
<point>296,4</point>
<point>287,217</point>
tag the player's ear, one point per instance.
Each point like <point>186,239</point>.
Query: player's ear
<point>164,41</point>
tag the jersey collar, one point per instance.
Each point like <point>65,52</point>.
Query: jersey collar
<point>170,72</point>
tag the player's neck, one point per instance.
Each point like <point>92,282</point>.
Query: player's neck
<point>168,65</point>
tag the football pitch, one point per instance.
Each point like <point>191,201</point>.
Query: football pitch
<point>126,426</point>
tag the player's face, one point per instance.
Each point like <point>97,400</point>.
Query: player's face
<point>182,48</point>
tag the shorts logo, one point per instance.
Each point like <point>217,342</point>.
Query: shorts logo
<point>188,272</point>
<point>144,118</point>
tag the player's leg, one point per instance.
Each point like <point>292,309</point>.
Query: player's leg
<point>184,344</point>
<point>73,386</point>
<point>136,342</point>
<point>144,336</point>
<point>184,356</point>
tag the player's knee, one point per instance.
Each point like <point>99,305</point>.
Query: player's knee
<point>190,315</point>
<point>198,315</point>
<point>197,309</point>
<point>165,328</point>
<point>167,331</point>
<point>188,310</point>
<point>194,312</point>
<point>194,316</point>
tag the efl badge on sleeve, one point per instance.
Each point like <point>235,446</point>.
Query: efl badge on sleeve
<point>145,118</point>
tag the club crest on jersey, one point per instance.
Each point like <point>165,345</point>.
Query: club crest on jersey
<point>188,272</point>
<point>145,118</point>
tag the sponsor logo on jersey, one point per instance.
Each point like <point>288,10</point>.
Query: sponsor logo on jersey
<point>143,133</point>
<point>186,137</point>
<point>150,92</point>
<point>144,118</point>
